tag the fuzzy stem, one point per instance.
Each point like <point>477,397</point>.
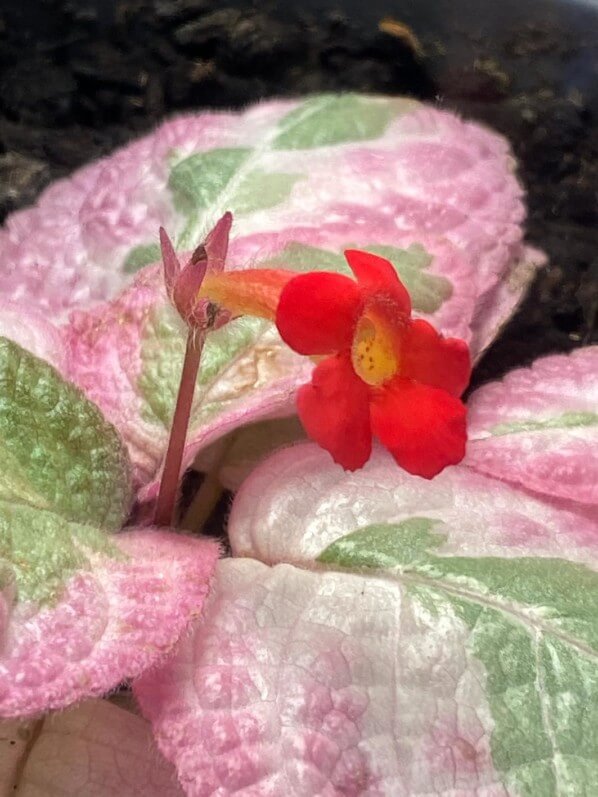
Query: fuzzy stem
<point>178,431</point>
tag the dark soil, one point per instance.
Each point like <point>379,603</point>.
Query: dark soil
<point>78,78</point>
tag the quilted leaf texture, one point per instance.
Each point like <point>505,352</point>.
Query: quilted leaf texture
<point>57,445</point>
<point>80,609</point>
<point>305,180</point>
<point>539,427</point>
<point>128,357</point>
<point>293,684</point>
<point>381,634</point>
<point>361,163</point>
<point>97,749</point>
<point>114,616</point>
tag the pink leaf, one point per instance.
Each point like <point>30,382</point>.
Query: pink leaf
<point>95,748</point>
<point>128,353</point>
<point>293,683</point>
<point>538,427</point>
<point>404,167</point>
<point>282,513</point>
<point>116,615</point>
<point>399,643</point>
<point>31,330</point>
<point>127,358</point>
<point>305,181</point>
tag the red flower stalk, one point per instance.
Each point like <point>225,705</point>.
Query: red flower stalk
<point>200,315</point>
<point>385,375</point>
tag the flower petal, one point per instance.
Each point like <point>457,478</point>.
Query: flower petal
<point>429,358</point>
<point>334,410</point>
<point>317,312</point>
<point>376,274</point>
<point>422,427</point>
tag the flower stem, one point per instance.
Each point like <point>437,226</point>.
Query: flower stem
<point>178,431</point>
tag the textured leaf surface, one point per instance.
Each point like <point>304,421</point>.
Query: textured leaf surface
<point>541,613</point>
<point>246,373</point>
<point>291,685</point>
<point>33,332</point>
<point>363,168</point>
<point>538,427</point>
<point>96,749</point>
<point>281,514</point>
<point>113,617</point>
<point>305,179</point>
<point>334,119</point>
<point>80,610</point>
<point>56,446</point>
<point>383,634</point>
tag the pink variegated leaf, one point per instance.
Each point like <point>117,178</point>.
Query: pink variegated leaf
<point>384,634</point>
<point>110,608</point>
<point>279,515</point>
<point>538,427</point>
<point>295,683</point>
<point>31,330</point>
<point>96,749</point>
<point>81,609</point>
<point>127,357</point>
<point>364,163</point>
<point>305,180</point>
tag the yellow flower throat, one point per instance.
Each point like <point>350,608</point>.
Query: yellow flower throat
<point>373,352</point>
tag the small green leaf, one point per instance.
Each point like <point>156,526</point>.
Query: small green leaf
<point>58,445</point>
<point>197,181</point>
<point>428,291</point>
<point>41,550</point>
<point>260,190</point>
<point>336,119</point>
<point>568,420</point>
<point>140,256</point>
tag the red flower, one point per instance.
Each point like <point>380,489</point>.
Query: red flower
<point>386,375</point>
